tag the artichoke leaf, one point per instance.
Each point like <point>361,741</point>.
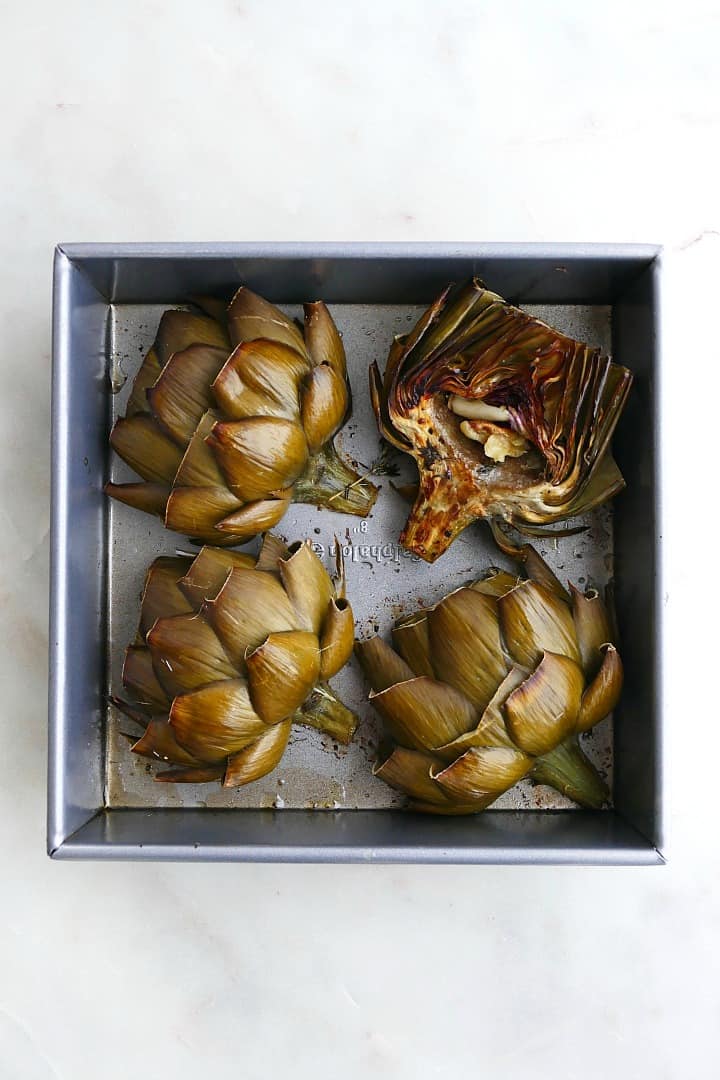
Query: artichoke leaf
<point>260,455</point>
<point>381,664</point>
<point>336,638</point>
<point>535,620</point>
<point>282,672</point>
<point>208,572</point>
<point>603,693</point>
<point>139,441</point>
<point>323,338</point>
<point>483,773</point>
<point>409,771</point>
<point>187,654</point>
<point>181,395</point>
<point>216,720</point>
<point>250,605</point>
<point>423,713</point>
<point>465,644</point>
<point>544,709</point>
<point>251,317</point>
<point>259,758</point>
<point>307,584</point>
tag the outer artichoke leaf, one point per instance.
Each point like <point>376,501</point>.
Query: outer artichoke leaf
<point>424,713</point>
<point>216,720</point>
<point>272,549</point>
<point>409,771</point>
<point>483,773</point>
<point>212,306</point>
<point>182,395</point>
<point>421,328</point>
<point>457,312</point>
<point>534,621</point>
<point>251,317</point>
<point>259,758</point>
<point>449,809</point>
<point>250,605</point>
<point>307,584</point>
<point>544,709</point>
<point>491,730</point>
<point>208,572</point>
<point>282,672</point>
<point>336,637</point>
<point>325,401</point>
<point>259,456</point>
<point>411,638</point>
<point>196,512</point>
<point>325,712</point>
<point>159,741</point>
<point>593,628</point>
<point>187,654</point>
<point>139,441</point>
<point>180,329</point>
<point>538,570</point>
<point>496,583</point>
<point>146,377</point>
<point>199,467</point>
<point>150,498</point>
<point>381,665</point>
<point>323,339</point>
<point>261,378</point>
<point>465,644</point>
<point>378,400</point>
<point>162,596</point>
<point>253,518</point>
<point>603,693</point>
<point>139,677</point>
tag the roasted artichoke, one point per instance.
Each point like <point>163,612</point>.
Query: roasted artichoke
<point>230,652</point>
<point>507,419</point>
<point>492,684</point>
<point>231,418</point>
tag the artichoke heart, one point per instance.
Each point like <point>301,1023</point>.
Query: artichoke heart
<point>506,418</point>
<point>232,417</point>
<point>491,685</point>
<point>230,652</point>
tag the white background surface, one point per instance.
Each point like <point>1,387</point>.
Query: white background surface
<point>238,120</point>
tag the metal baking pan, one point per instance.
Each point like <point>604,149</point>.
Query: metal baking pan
<point>322,803</point>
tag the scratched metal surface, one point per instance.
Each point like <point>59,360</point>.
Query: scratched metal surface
<point>383,582</point>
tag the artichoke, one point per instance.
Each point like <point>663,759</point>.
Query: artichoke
<point>231,418</point>
<point>230,652</point>
<point>493,684</point>
<point>506,418</point>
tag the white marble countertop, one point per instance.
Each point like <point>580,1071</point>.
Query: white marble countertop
<point>411,121</point>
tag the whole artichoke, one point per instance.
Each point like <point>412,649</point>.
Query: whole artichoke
<point>492,684</point>
<point>230,652</point>
<point>507,419</point>
<point>231,418</point>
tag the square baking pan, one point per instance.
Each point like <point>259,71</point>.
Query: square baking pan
<point>327,807</point>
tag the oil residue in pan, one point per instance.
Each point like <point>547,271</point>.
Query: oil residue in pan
<point>383,582</point>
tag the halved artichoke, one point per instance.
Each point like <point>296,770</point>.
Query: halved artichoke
<point>492,684</point>
<point>230,652</point>
<point>507,418</point>
<point>231,418</point>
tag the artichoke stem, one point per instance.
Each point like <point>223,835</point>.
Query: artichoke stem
<point>326,712</point>
<point>567,769</point>
<point>329,482</point>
